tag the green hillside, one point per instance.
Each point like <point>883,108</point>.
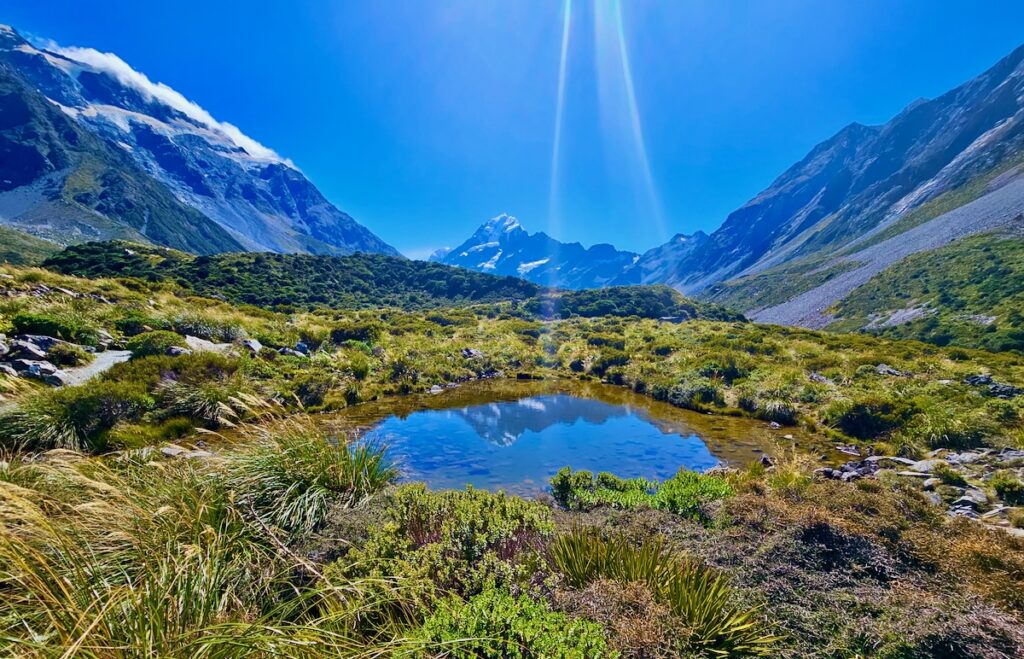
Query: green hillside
<point>20,248</point>
<point>363,281</point>
<point>966,294</point>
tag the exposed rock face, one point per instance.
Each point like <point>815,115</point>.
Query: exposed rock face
<point>157,166</point>
<point>868,177</point>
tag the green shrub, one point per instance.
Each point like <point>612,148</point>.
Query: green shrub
<point>607,359</point>
<point>68,325</point>
<point>136,322</point>
<point>154,343</point>
<point>868,416</point>
<point>694,391</point>
<point>496,625</point>
<point>727,369</point>
<point>459,541</point>
<point>683,494</point>
<point>68,354</point>
<point>368,332</point>
<point>701,598</point>
<point>1008,486</point>
<point>948,475</point>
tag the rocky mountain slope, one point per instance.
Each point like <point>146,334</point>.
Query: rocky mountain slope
<point>157,164</point>
<point>502,246</point>
<point>869,180</point>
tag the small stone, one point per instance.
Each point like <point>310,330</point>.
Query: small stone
<point>178,351</point>
<point>787,436</point>
<point>925,466</point>
<point>252,345</point>
<point>965,458</point>
<point>814,376</point>
<point>958,511</point>
<point>766,462</point>
<point>978,380</point>
<point>1006,391</point>
<point>975,495</point>
<point>998,511</point>
<point>885,369</point>
<point>172,451</point>
<point>56,379</point>
<point>931,483</point>
<point>436,389</point>
<point>292,353</point>
<point>471,353</point>
<point>934,498</point>
<point>774,425</point>
<point>301,346</point>
<point>850,476</point>
<point>8,370</point>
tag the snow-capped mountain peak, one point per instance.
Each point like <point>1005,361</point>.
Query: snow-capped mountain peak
<point>502,246</point>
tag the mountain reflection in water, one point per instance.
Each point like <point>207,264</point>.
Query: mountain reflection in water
<point>518,445</point>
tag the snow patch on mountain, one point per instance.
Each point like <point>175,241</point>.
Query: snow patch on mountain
<point>117,68</point>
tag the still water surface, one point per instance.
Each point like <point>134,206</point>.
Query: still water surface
<point>515,436</point>
<point>519,445</point>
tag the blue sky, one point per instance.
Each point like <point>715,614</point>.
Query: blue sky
<point>422,119</point>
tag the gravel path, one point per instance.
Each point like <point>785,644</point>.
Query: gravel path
<point>104,360</point>
<point>995,210</point>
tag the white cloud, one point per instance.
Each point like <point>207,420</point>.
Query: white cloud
<point>113,65</point>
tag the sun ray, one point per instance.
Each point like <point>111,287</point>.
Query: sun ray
<point>554,210</point>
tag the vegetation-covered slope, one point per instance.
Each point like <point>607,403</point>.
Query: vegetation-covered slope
<point>292,281</point>
<point>20,248</point>
<point>968,293</point>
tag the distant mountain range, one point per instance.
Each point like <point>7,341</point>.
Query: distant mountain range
<point>858,203</point>
<point>502,247</point>
<point>92,149</point>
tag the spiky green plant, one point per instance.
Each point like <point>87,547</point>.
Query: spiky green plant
<point>694,593</point>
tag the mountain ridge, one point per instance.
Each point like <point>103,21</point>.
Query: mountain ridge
<point>502,246</point>
<point>262,201</point>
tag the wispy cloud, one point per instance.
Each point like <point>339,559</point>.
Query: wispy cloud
<point>116,67</point>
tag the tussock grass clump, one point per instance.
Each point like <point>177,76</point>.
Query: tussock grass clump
<point>293,474</point>
<point>693,593</point>
<point>68,354</point>
<point>71,417</point>
<point>129,557</point>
